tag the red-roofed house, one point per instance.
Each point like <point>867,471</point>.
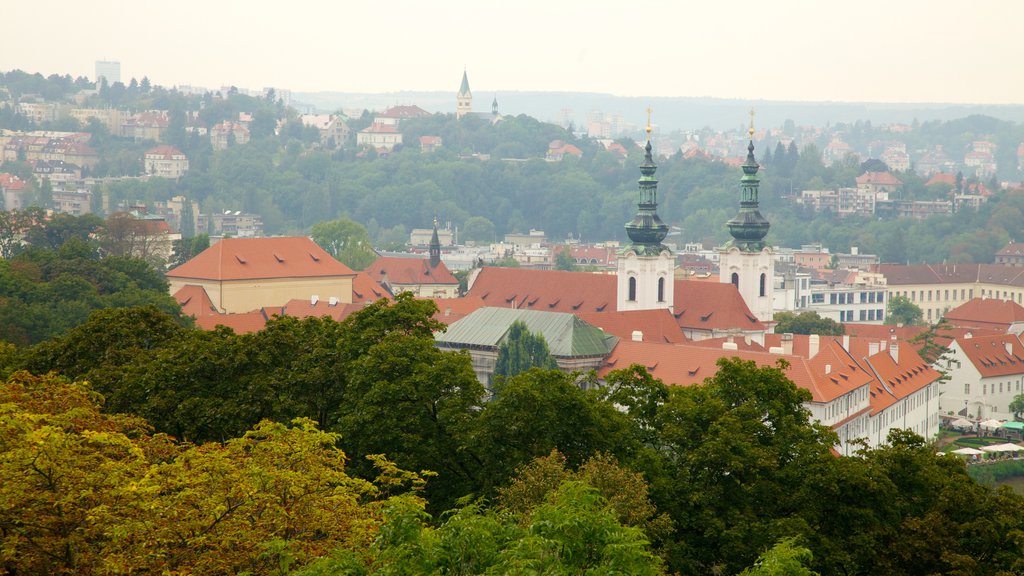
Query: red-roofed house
<point>365,290</point>
<point>879,183</point>
<point>380,136</point>
<point>13,191</point>
<point>430,143</point>
<point>985,374</point>
<point>222,134</point>
<point>245,274</point>
<point>414,275</point>
<point>558,149</point>
<point>165,161</point>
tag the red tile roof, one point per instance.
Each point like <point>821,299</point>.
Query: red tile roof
<point>1011,249</point>
<point>877,179</point>
<point>303,308</point>
<point>164,151</point>
<point>194,301</point>
<point>379,128</point>
<point>257,258</point>
<point>895,380</point>
<point>243,323</point>
<point>685,365</point>
<point>698,305</point>
<point>11,182</point>
<point>404,112</point>
<point>990,356</point>
<point>451,309</point>
<point>366,290</point>
<point>942,178</point>
<point>745,344</point>
<point>407,271</point>
<point>990,313</point>
<point>656,325</point>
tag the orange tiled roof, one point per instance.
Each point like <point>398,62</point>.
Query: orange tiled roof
<point>305,308</point>
<point>1011,249</point>
<point>878,179</point>
<point>991,313</point>
<point>164,151</point>
<point>685,365</point>
<point>406,271</point>
<point>698,305</point>
<point>194,301</point>
<point>900,274</point>
<point>366,290</point>
<point>656,325</point>
<point>257,258</point>
<point>451,309</point>
<point>990,356</point>
<point>243,323</point>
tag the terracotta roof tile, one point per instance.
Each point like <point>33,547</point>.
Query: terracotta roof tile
<point>994,355</point>
<point>991,313</point>
<point>255,258</point>
<point>366,290</point>
<point>303,308</point>
<point>656,325</point>
<point>406,271</point>
<point>194,301</point>
<point>243,323</point>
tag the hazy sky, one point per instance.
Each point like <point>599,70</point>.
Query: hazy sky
<point>860,50</point>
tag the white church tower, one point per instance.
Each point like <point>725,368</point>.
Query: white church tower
<point>464,99</point>
<point>646,266</point>
<point>746,261</point>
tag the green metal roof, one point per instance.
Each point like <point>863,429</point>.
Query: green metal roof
<point>566,335</point>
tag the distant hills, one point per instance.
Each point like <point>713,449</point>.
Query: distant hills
<point>670,114</point>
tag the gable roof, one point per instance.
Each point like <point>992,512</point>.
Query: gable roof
<point>877,179</point>
<point>900,274</point>
<point>451,310</point>
<point>194,301</point>
<point>409,271</point>
<point>1000,355</point>
<point>366,290</point>
<point>989,313</point>
<point>258,258</point>
<point>566,335</point>
<point>895,380</point>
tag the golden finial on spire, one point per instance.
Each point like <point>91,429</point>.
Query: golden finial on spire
<point>648,122</point>
<point>751,131</point>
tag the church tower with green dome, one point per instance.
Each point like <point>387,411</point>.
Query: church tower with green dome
<point>747,261</point>
<point>646,266</point>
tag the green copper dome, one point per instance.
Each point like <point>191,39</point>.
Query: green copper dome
<point>749,227</point>
<point>646,230</point>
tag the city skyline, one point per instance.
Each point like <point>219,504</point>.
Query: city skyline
<point>915,51</point>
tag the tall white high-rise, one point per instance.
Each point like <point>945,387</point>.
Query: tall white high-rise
<point>109,69</point>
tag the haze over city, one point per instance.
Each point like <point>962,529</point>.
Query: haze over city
<point>870,51</point>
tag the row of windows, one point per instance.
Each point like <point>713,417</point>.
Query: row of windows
<point>761,288</point>
<point>965,294</point>
<point>632,289</point>
<point>852,297</point>
<point>986,389</point>
<point>864,316</point>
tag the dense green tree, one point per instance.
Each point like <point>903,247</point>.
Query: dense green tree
<point>345,240</point>
<point>1017,407</point>
<point>806,323</point>
<point>477,229</point>
<point>901,311</point>
<point>521,350</point>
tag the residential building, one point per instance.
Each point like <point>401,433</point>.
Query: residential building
<point>382,137</point>
<point>431,143</point>
<point>13,190</point>
<point>165,161</point>
<point>428,278</point>
<point>235,224</point>
<point>226,133</point>
<point>985,375</point>
<point>1002,316</point>
<point>1011,255</point>
<point>245,274</point>
<point>557,150</point>
<point>880,183</point>
<point>149,125</point>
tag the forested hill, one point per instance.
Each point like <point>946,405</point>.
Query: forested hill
<point>672,113</point>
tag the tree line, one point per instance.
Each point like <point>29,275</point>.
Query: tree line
<point>555,472</point>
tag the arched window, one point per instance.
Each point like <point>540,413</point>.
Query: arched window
<point>736,280</point>
<point>632,289</point>
<point>661,289</point>
<point>762,284</point>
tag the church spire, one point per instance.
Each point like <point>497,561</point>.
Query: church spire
<point>749,227</point>
<point>646,230</point>
<point>435,248</point>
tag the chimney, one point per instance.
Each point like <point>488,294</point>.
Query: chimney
<point>854,250</point>
<point>787,344</point>
<point>332,301</point>
<point>313,300</point>
<point>775,350</point>
<point>846,342</point>
<point>638,336</point>
<point>894,349</point>
<point>812,346</point>
<point>872,348</point>
<point>730,346</point>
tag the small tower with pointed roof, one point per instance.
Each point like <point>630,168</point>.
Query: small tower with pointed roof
<point>494,107</point>
<point>464,99</point>
<point>646,266</point>
<point>435,248</point>
<point>747,261</point>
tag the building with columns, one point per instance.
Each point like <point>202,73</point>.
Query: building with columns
<point>646,266</point>
<point>747,261</point>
